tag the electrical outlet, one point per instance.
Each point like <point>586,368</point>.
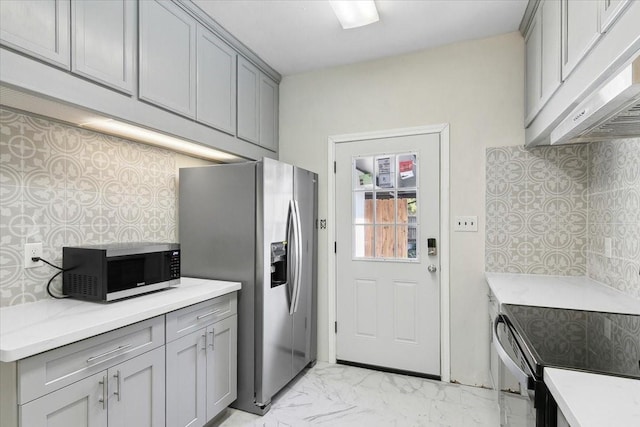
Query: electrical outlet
<point>32,250</point>
<point>465,223</point>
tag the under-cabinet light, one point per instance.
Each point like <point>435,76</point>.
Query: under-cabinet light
<point>125,130</point>
<point>355,13</point>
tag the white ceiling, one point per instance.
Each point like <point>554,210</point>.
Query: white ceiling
<point>294,36</point>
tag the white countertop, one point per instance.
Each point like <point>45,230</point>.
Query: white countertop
<point>32,328</point>
<point>585,399</point>
<point>593,400</point>
<point>575,292</point>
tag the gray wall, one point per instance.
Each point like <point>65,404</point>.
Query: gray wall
<point>62,185</point>
<point>550,209</point>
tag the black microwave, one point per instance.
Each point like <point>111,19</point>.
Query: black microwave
<point>119,270</point>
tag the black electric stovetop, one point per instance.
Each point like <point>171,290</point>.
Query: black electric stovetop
<point>607,343</point>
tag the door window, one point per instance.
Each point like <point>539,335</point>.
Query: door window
<point>385,206</point>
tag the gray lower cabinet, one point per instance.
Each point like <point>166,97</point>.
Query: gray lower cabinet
<point>222,378</point>
<point>202,373</point>
<point>167,52</point>
<point>103,41</point>
<point>131,393</point>
<point>216,82</point>
<point>80,404</point>
<point>39,28</point>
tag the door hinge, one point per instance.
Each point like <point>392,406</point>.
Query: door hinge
<point>335,247</point>
<point>316,224</point>
<point>334,167</point>
<point>335,327</point>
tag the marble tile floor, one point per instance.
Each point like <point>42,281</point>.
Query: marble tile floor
<point>346,396</point>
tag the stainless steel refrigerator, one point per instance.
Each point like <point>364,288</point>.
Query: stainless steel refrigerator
<point>256,223</point>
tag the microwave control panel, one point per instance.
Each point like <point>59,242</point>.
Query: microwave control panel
<point>174,264</point>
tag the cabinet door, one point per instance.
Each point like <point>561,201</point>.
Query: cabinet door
<point>216,82</point>
<point>39,28</point>
<point>103,41</point>
<point>551,78</point>
<point>137,391</point>
<point>609,12</point>
<point>222,371</point>
<point>533,67</point>
<point>543,55</point>
<point>167,57</point>
<point>268,113</point>
<point>80,404</point>
<point>186,380</point>
<point>580,32</point>
<point>248,102</point>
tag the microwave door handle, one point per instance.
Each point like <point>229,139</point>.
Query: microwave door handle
<point>520,375</point>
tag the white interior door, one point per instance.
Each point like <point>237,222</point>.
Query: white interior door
<point>388,284</point>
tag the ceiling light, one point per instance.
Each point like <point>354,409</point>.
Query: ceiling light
<point>139,134</point>
<point>355,13</point>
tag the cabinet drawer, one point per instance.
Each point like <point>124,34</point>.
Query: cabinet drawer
<point>186,320</point>
<point>49,371</point>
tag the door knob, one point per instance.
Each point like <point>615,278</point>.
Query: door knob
<point>432,268</point>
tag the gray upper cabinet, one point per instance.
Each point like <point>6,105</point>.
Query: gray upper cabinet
<point>216,82</point>
<point>609,11</point>
<point>580,32</point>
<point>257,106</point>
<point>38,28</point>
<point>543,52</point>
<point>268,113</point>
<point>103,41</point>
<point>167,56</point>
<point>248,101</point>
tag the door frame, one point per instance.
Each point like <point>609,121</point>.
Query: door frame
<point>443,131</point>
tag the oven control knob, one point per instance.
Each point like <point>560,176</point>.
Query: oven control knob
<point>432,268</point>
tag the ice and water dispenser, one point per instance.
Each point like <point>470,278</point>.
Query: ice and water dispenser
<point>278,263</point>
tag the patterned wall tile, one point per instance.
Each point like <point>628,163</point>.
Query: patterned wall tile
<point>614,213</point>
<point>553,215</point>
<point>537,214</point>
<point>66,186</point>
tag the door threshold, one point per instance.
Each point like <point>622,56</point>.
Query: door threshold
<point>390,370</point>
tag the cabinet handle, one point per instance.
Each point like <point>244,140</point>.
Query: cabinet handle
<point>103,399</point>
<point>122,347</point>
<point>212,337</point>
<point>204,339</point>
<point>211,313</point>
<point>119,391</point>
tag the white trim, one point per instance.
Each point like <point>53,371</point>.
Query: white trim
<point>443,130</point>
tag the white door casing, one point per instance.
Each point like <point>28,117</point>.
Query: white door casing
<point>408,346</point>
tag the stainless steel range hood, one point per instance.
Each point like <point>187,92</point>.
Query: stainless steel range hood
<point>611,112</point>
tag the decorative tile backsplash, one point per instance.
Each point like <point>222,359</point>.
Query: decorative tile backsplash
<point>62,185</point>
<point>614,212</point>
<point>536,219</point>
<point>550,209</point>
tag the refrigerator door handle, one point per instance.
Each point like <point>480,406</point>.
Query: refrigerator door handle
<point>292,231</point>
<point>298,276</point>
